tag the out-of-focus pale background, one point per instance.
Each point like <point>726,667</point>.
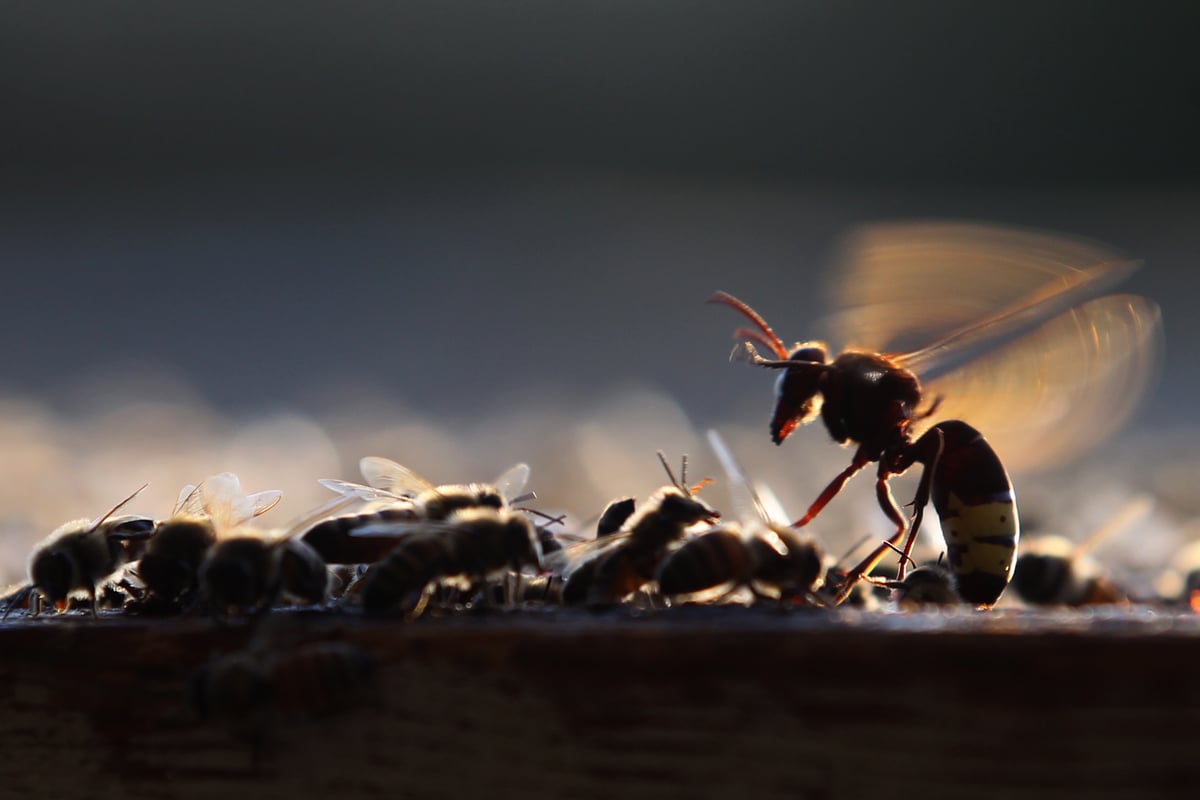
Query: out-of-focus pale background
<point>272,238</point>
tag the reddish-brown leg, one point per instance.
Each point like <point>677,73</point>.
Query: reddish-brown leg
<point>928,452</point>
<point>835,486</point>
<point>863,569</point>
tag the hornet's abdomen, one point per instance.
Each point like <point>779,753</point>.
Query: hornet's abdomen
<point>975,501</point>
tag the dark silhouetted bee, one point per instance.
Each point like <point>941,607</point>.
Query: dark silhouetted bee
<point>170,565</point>
<point>246,571</point>
<point>397,494</point>
<point>79,557</point>
<point>773,563</point>
<point>926,586</point>
<point>1053,570</point>
<point>475,544</point>
<point>606,570</point>
<point>757,552</point>
<point>1062,371</point>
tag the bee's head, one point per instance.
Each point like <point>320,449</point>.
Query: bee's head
<point>797,389</point>
<point>54,574</point>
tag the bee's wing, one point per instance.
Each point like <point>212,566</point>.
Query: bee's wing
<point>383,473</point>
<point>512,481</point>
<point>565,561</point>
<point>357,490</point>
<point>189,502</point>
<point>747,505</point>
<point>776,514</point>
<point>339,506</point>
<point>224,502</point>
<point>899,287</point>
<point>997,322</point>
<point>1055,392</point>
<point>262,502</point>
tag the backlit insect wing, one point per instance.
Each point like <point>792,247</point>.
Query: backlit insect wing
<point>221,499</point>
<point>748,505</point>
<point>570,558</point>
<point>383,473</point>
<point>756,507</point>
<point>352,495</point>
<point>1000,326</point>
<point>512,483</point>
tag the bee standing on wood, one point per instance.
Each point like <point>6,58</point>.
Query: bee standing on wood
<point>475,544</point>
<point>397,494</point>
<point>757,551</point>
<point>605,570</point>
<point>80,556</point>
<point>170,565</point>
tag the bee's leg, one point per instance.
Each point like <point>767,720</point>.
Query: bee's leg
<point>419,603</point>
<point>863,569</point>
<point>835,486</point>
<point>928,452</point>
<point>518,585</point>
<point>22,595</point>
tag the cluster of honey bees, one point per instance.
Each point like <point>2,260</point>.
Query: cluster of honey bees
<point>401,547</point>
<point>1027,349</point>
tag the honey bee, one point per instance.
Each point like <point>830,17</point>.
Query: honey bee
<point>1053,570</point>
<point>758,552</point>
<point>475,544</point>
<point>80,556</point>
<point>397,494</point>
<point>606,570</point>
<point>170,565</point>
<point>928,585</point>
<point>435,502</point>
<point>1062,370</point>
<point>247,571</point>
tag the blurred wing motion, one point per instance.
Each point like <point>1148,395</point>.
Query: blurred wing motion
<point>998,324</point>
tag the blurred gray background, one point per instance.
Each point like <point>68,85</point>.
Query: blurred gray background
<point>468,212</point>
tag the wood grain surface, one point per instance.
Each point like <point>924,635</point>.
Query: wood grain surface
<point>695,702</point>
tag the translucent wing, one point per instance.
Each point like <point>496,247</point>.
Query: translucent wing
<point>223,501</point>
<point>1055,392</point>
<point>901,287</point>
<point>341,505</point>
<point>512,481</point>
<point>776,513</point>
<point>747,505</point>
<point>564,562</point>
<point>189,502</point>
<point>383,473</point>
<point>360,492</point>
<point>998,323</point>
<point>262,502</point>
